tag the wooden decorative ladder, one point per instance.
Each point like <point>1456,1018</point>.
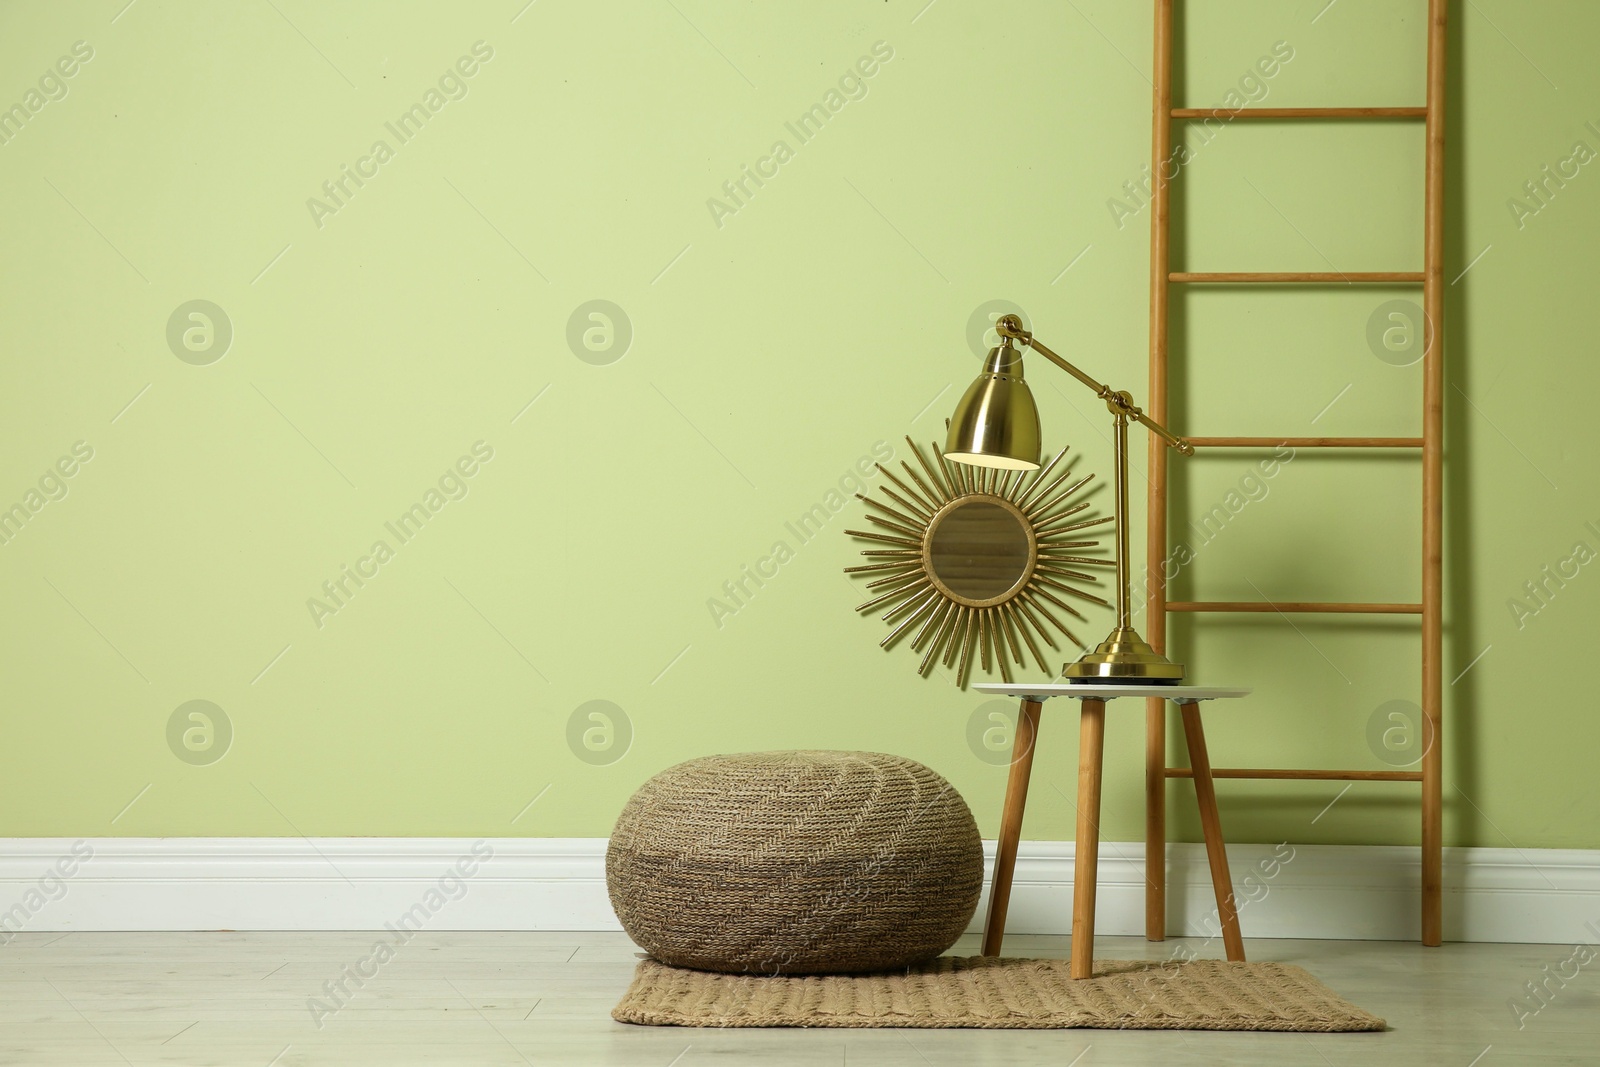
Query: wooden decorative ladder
<point>1430,446</point>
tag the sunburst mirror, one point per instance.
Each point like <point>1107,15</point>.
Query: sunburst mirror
<point>979,561</point>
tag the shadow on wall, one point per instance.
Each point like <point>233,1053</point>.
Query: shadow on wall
<point>1462,822</point>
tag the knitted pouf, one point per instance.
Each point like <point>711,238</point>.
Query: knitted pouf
<point>795,863</point>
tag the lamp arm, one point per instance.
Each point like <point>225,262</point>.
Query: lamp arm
<point>1119,402</point>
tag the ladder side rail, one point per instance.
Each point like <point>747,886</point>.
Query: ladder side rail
<point>1155,713</point>
<point>1433,486</point>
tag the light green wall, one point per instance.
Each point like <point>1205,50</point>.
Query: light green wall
<point>768,355</point>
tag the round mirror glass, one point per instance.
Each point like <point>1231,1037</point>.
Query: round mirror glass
<point>979,551</point>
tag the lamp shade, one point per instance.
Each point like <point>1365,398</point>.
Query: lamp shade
<point>997,423</point>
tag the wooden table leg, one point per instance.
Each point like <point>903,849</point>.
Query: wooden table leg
<point>1155,820</point>
<point>1005,856</point>
<point>1211,823</point>
<point>1086,849</point>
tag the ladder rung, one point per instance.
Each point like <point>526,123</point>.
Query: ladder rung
<point>1305,442</point>
<point>1294,277</point>
<point>1301,113</point>
<point>1299,775</point>
<point>1298,607</point>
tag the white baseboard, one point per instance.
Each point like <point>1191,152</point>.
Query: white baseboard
<point>1347,892</point>
<point>1323,891</point>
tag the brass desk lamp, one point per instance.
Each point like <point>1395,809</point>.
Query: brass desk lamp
<point>996,424</point>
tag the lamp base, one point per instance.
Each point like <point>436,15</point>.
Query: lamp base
<point>1124,657</point>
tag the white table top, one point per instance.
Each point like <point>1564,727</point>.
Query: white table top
<point>1178,694</point>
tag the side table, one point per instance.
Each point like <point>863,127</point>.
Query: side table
<point>1086,852</point>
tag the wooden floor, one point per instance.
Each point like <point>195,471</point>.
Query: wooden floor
<point>545,998</point>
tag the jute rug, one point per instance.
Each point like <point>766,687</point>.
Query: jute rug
<point>985,992</point>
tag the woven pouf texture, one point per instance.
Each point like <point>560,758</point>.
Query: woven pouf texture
<point>795,863</point>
